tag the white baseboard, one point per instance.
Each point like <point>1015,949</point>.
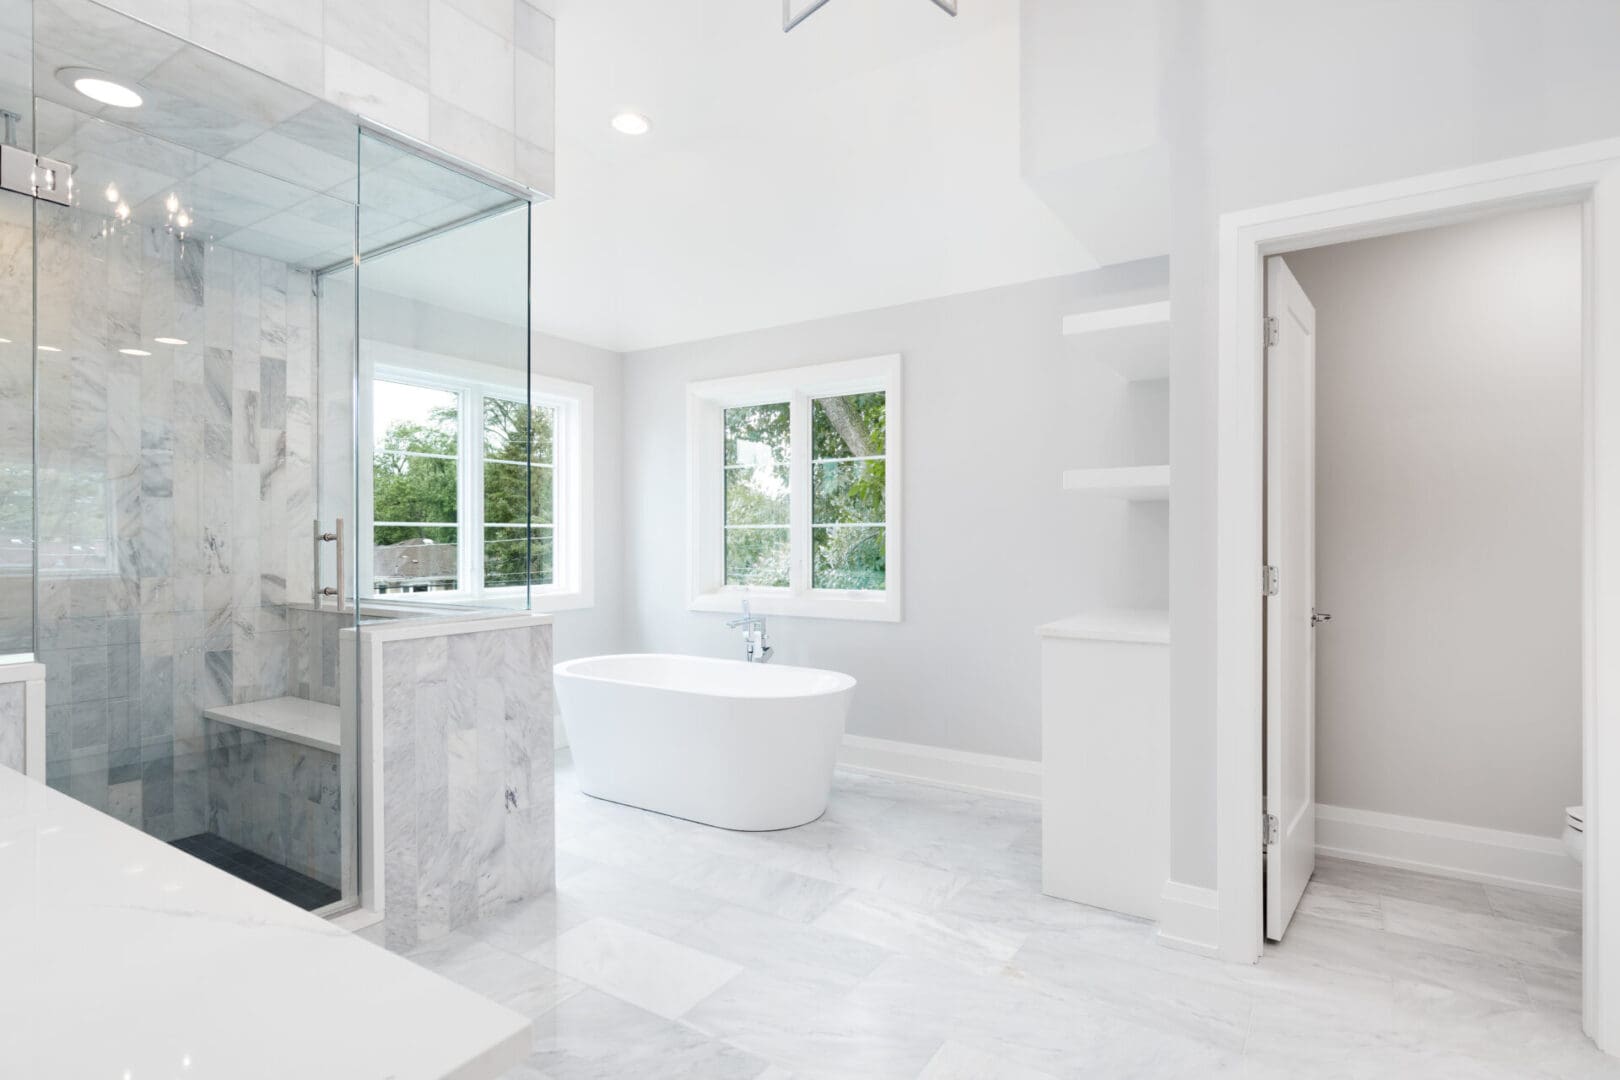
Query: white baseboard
<point>1488,856</point>
<point>1190,918</point>
<point>1012,778</point>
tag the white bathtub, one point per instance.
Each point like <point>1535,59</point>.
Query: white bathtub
<point>723,742</point>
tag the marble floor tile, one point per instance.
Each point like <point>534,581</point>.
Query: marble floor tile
<point>951,939</point>
<point>954,1061</point>
<point>594,1035</point>
<point>1488,934</point>
<point>1341,903</point>
<point>1538,909</point>
<point>903,936</point>
<point>1405,884</point>
<point>648,971</point>
<point>789,951</point>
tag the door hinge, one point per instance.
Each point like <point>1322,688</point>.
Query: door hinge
<point>1270,829</point>
<point>1270,581</point>
<point>45,178</point>
<point>1271,329</point>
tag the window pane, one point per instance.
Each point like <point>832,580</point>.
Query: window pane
<point>419,418</point>
<point>506,493</point>
<point>757,434</point>
<point>505,432</point>
<point>413,558</point>
<point>851,557</point>
<point>507,551</point>
<point>847,491</point>
<point>757,557</point>
<point>757,496</point>
<point>849,426</point>
<point>409,488</point>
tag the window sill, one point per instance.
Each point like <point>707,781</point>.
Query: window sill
<point>854,606</point>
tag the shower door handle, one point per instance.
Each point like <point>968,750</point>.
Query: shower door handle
<point>334,537</point>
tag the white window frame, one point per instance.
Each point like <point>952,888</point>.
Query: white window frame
<point>706,403</point>
<point>572,585</point>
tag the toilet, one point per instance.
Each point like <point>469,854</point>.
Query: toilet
<point>1575,831</point>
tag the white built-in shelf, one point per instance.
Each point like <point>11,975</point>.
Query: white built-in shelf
<point>1138,483</point>
<point>307,722</point>
<point>1136,625</point>
<point>1134,341</point>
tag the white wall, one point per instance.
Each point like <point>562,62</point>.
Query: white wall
<point>1277,101</point>
<point>599,628</point>
<point>1448,521</point>
<point>996,407</point>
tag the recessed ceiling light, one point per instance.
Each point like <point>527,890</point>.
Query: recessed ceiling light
<point>631,123</point>
<point>134,352</point>
<point>170,341</point>
<point>100,87</point>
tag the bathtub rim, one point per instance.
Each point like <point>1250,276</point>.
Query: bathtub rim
<point>568,668</point>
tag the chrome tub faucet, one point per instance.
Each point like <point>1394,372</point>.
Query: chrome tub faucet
<point>756,643</point>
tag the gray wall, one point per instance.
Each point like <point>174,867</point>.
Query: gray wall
<point>1448,521</point>
<point>1268,102</point>
<point>997,406</point>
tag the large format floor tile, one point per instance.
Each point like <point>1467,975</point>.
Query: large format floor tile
<point>904,936</point>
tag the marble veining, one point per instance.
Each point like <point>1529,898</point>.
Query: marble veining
<point>173,530</point>
<point>938,958</point>
<point>13,716</point>
<point>466,720</point>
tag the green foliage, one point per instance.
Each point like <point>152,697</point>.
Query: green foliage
<point>411,488</point>
<point>847,497</point>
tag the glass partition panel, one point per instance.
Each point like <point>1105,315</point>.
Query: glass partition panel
<point>455,458</point>
<point>16,346</point>
<point>192,685</point>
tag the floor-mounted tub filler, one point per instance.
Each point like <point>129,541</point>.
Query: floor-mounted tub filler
<point>722,742</point>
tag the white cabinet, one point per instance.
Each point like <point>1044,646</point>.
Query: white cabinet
<point>1105,731</point>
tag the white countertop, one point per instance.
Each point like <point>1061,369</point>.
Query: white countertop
<point>1135,626</point>
<point>121,957</point>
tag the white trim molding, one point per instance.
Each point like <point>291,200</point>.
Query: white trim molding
<point>1010,778</point>
<point>1467,852</point>
<point>1588,175</point>
<point>1190,918</point>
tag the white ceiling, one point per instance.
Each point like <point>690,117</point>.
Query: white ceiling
<point>869,158</point>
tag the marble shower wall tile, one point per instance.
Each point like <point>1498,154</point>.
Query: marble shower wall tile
<point>175,510</point>
<point>473,77</point>
<point>467,777</point>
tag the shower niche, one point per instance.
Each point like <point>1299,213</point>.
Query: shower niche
<point>192,350</point>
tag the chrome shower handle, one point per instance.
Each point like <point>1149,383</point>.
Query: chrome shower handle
<point>334,537</point>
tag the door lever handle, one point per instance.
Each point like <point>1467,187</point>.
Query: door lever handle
<point>1319,617</point>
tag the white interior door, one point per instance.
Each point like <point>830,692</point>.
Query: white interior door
<point>1290,703</point>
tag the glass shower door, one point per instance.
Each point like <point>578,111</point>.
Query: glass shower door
<point>178,386</point>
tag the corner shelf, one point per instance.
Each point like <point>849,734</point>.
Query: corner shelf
<point>1133,341</point>
<point>309,723</point>
<point>1137,483</point>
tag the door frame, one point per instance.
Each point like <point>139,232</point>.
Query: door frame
<point>1565,176</point>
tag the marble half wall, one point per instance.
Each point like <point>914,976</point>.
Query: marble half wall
<point>22,717</point>
<point>465,710</point>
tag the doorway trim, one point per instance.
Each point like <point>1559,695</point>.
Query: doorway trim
<point>1588,174</point>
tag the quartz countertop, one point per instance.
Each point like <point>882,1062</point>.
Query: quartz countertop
<point>124,958</point>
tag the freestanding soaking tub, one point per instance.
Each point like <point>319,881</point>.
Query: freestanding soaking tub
<point>723,742</point>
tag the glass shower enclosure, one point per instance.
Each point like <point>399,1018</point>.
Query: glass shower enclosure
<point>248,344</point>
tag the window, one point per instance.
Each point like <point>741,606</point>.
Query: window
<point>794,491</point>
<point>475,495</point>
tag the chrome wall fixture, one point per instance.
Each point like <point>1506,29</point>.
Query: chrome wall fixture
<point>807,8</point>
